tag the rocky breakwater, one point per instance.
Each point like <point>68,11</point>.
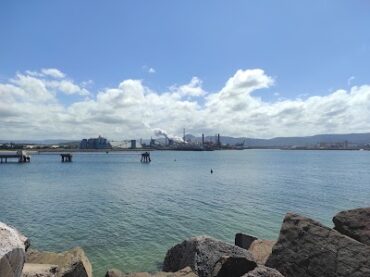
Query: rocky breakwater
<point>209,257</point>
<point>71,263</point>
<point>206,257</point>
<point>17,260</point>
<point>306,248</point>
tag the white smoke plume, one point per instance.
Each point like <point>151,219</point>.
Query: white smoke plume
<point>162,133</point>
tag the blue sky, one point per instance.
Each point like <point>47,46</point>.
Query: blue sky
<point>309,48</point>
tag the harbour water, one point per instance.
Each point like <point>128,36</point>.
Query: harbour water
<point>125,214</point>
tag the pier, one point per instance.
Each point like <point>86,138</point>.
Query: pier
<point>20,156</point>
<point>66,158</point>
<point>145,157</point>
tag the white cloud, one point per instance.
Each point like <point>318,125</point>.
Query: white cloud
<point>192,89</point>
<point>67,87</point>
<point>52,72</point>
<point>31,107</point>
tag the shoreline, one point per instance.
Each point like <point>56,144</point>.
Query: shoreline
<point>302,241</point>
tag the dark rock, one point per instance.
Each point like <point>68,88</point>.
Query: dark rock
<point>186,272</point>
<point>201,254</point>
<point>306,248</point>
<point>354,223</point>
<point>261,250</point>
<point>244,240</point>
<point>72,263</point>
<point>232,266</point>
<point>263,271</point>
<point>12,251</point>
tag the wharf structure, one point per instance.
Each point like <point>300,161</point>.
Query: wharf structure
<point>66,157</point>
<point>21,156</point>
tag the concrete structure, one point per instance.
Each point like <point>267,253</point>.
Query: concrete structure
<point>133,144</point>
<point>67,157</point>
<point>20,155</point>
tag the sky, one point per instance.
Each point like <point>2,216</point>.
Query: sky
<point>124,69</point>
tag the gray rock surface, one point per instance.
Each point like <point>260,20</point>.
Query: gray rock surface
<point>263,271</point>
<point>232,266</point>
<point>244,240</point>
<point>39,270</point>
<point>72,263</point>
<point>201,254</point>
<point>261,250</point>
<point>306,248</point>
<point>12,252</point>
<point>25,240</point>
<point>354,223</point>
<point>186,272</point>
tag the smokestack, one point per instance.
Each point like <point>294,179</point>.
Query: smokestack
<point>202,139</point>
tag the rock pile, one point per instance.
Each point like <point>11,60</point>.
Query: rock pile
<point>72,263</point>
<point>201,254</point>
<point>16,262</point>
<point>305,248</point>
<point>354,223</point>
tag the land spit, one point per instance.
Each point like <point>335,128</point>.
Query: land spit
<point>305,248</point>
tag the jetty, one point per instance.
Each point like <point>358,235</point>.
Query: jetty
<point>66,157</point>
<point>145,157</point>
<point>21,156</point>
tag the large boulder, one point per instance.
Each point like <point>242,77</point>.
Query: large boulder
<point>201,254</point>
<point>39,270</point>
<point>12,251</point>
<point>261,250</point>
<point>354,223</point>
<point>263,271</point>
<point>306,248</point>
<point>72,263</point>
<point>244,240</point>
<point>232,266</point>
<point>186,272</point>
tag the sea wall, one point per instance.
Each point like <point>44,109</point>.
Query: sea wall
<point>305,248</point>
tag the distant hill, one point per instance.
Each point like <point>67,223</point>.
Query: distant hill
<point>357,139</point>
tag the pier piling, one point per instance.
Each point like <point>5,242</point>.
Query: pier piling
<point>66,158</point>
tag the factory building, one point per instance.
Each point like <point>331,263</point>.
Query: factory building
<point>95,143</point>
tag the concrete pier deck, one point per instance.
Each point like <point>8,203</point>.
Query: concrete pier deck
<point>20,156</point>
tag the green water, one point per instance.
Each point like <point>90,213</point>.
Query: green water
<point>126,214</point>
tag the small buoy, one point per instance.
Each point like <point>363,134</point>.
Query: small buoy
<point>211,171</point>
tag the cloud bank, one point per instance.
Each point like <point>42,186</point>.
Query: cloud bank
<point>49,104</point>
